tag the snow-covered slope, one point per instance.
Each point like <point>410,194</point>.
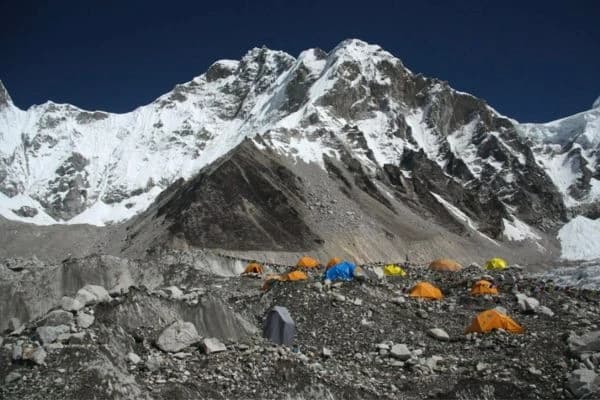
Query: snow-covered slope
<point>439,149</point>
<point>568,150</point>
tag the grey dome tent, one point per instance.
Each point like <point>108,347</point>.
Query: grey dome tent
<point>279,326</point>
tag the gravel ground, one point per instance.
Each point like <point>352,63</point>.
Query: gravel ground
<point>356,322</point>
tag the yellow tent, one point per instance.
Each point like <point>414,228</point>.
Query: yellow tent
<point>483,287</point>
<point>333,261</point>
<point>496,264</point>
<point>253,268</point>
<point>393,270</point>
<point>445,264</point>
<point>488,320</point>
<point>307,262</point>
<point>426,290</point>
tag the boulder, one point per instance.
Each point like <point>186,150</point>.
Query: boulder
<point>85,320</point>
<point>92,294</point>
<point>545,310</point>
<point>174,292</point>
<point>14,324</point>
<point>212,345</point>
<point>584,383</point>
<point>527,304</point>
<point>438,334</point>
<point>12,377</point>
<point>39,356</point>
<point>49,334</point>
<point>17,350</point>
<point>432,361</point>
<point>154,363</point>
<point>177,337</point>
<point>501,309</point>
<point>587,343</point>
<point>133,358</point>
<point>70,304</point>
<point>57,317</point>
<point>400,352</point>
<point>374,273</point>
<point>327,353</point>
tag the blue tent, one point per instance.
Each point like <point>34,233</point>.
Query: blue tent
<point>343,271</point>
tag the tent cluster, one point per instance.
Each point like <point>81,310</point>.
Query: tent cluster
<point>280,328</point>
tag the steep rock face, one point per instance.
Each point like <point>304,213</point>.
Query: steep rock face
<point>357,104</point>
<point>244,201</point>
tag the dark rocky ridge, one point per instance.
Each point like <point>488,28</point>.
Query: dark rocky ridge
<point>246,200</point>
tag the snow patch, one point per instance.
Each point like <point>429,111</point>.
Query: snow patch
<point>460,216</point>
<point>101,214</point>
<point>8,204</point>
<point>579,239</point>
<point>518,230</point>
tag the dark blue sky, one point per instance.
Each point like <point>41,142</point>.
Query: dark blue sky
<point>534,61</point>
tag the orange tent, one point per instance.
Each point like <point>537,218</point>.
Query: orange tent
<point>333,261</point>
<point>253,268</point>
<point>288,276</point>
<point>426,290</point>
<point>445,264</point>
<point>307,262</point>
<point>492,319</point>
<point>483,287</point>
<point>294,276</point>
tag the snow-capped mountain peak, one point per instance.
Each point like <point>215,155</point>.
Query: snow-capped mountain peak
<point>358,104</point>
<point>5,99</point>
<point>596,103</point>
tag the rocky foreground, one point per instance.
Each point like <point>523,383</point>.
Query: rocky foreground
<point>360,340</point>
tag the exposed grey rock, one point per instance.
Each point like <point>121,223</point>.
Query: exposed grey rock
<point>501,310</point>
<point>39,356</point>
<point>326,352</point>
<point>12,377</point>
<point>133,358</point>
<point>527,304</point>
<point>339,297</point>
<point>92,294</point>
<point>26,212</point>
<point>584,383</point>
<point>587,343</point>
<point>85,320</point>
<point>174,292</point>
<point>545,310</point>
<point>154,363</point>
<point>400,352</point>
<point>49,334</point>
<point>177,336</point>
<point>70,304</point>
<point>212,345</point>
<point>17,350</point>
<point>481,366</point>
<point>439,334</point>
<point>374,273</point>
<point>57,317</point>
<point>14,324</point>
<point>431,362</point>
